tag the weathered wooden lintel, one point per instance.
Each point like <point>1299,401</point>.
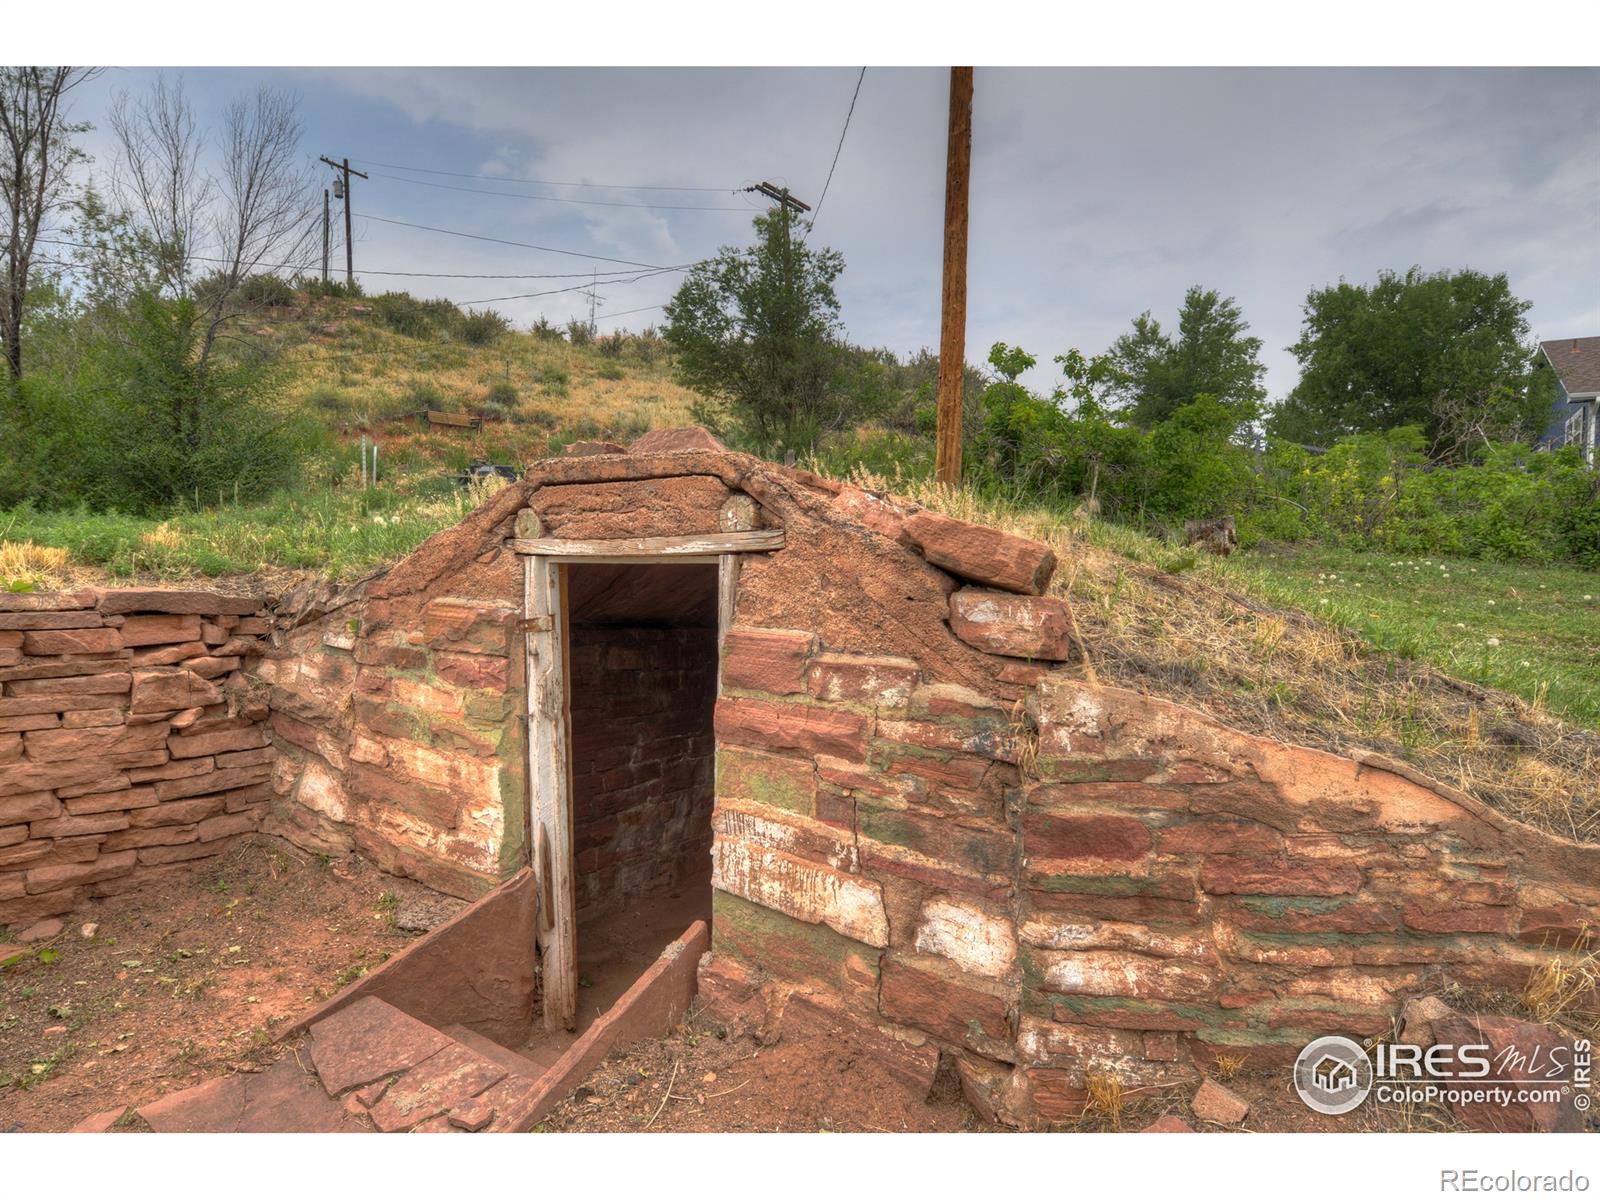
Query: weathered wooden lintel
<point>695,544</point>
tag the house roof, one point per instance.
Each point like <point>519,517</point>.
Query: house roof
<point>1576,362</point>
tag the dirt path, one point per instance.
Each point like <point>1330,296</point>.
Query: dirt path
<point>183,980</point>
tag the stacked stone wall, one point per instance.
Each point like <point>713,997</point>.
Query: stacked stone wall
<point>131,740</point>
<point>1094,881</point>
<point>398,731</point>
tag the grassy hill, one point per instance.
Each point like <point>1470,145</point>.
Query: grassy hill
<point>368,362</point>
<point>349,365</point>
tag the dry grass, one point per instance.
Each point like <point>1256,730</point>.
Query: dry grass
<point>1227,1065</point>
<point>1561,988</point>
<point>1106,1104</point>
<point>37,566</point>
<point>1169,622</point>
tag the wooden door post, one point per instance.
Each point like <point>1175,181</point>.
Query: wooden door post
<point>953,321</point>
<point>549,778</point>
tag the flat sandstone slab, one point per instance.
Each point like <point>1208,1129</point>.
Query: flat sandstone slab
<point>435,1086</point>
<point>367,1040</point>
<point>176,600</point>
<point>282,1099</point>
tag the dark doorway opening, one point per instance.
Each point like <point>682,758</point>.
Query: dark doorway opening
<point>642,684</point>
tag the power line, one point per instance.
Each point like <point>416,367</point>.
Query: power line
<point>627,262</point>
<point>451,187</point>
<point>462,275</point>
<point>580,287</point>
<point>372,271</point>
<point>840,146</point>
<point>625,187</point>
<point>628,312</point>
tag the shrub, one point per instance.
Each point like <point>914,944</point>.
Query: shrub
<point>420,395</point>
<point>1195,468</point>
<point>482,327</point>
<point>628,428</point>
<point>649,345</point>
<point>612,345</point>
<point>544,330</point>
<point>580,333</point>
<point>149,425</point>
<point>336,288</point>
<point>585,430</point>
<point>554,379</point>
<point>326,398</point>
<point>266,291</point>
<point>502,392</point>
<point>406,315</point>
<point>1376,491</point>
<point>610,370</point>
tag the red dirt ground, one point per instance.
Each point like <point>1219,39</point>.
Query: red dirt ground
<point>185,979</point>
<point>724,1082</point>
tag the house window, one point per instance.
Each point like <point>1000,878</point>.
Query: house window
<point>1574,429</point>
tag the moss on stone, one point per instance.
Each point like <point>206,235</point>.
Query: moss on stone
<point>745,776</point>
<point>1278,906</point>
<point>886,825</point>
<point>764,937</point>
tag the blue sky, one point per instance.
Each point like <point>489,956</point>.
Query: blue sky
<point>1096,193</point>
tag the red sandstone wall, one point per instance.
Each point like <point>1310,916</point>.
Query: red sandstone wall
<point>398,731</point>
<point>1107,883</point>
<point>130,739</point>
<point>642,761</point>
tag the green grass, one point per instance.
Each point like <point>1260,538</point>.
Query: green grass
<point>341,533</point>
<point>1530,630</point>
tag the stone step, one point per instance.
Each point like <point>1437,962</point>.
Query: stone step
<point>517,1064</point>
<point>371,1066</point>
<point>403,1074</point>
<point>367,1041</point>
<point>281,1099</point>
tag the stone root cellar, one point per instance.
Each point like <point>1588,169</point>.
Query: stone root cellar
<point>849,731</point>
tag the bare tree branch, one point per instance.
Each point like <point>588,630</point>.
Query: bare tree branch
<point>36,155</point>
<point>254,212</point>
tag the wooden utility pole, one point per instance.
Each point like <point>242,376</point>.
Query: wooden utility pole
<point>786,203</point>
<point>324,237</point>
<point>344,168</point>
<point>953,321</point>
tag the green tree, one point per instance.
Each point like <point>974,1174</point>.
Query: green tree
<point>1150,374</point>
<point>1449,353</point>
<point>756,330</point>
<point>179,428</point>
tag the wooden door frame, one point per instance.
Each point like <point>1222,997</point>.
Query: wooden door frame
<point>548,741</point>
